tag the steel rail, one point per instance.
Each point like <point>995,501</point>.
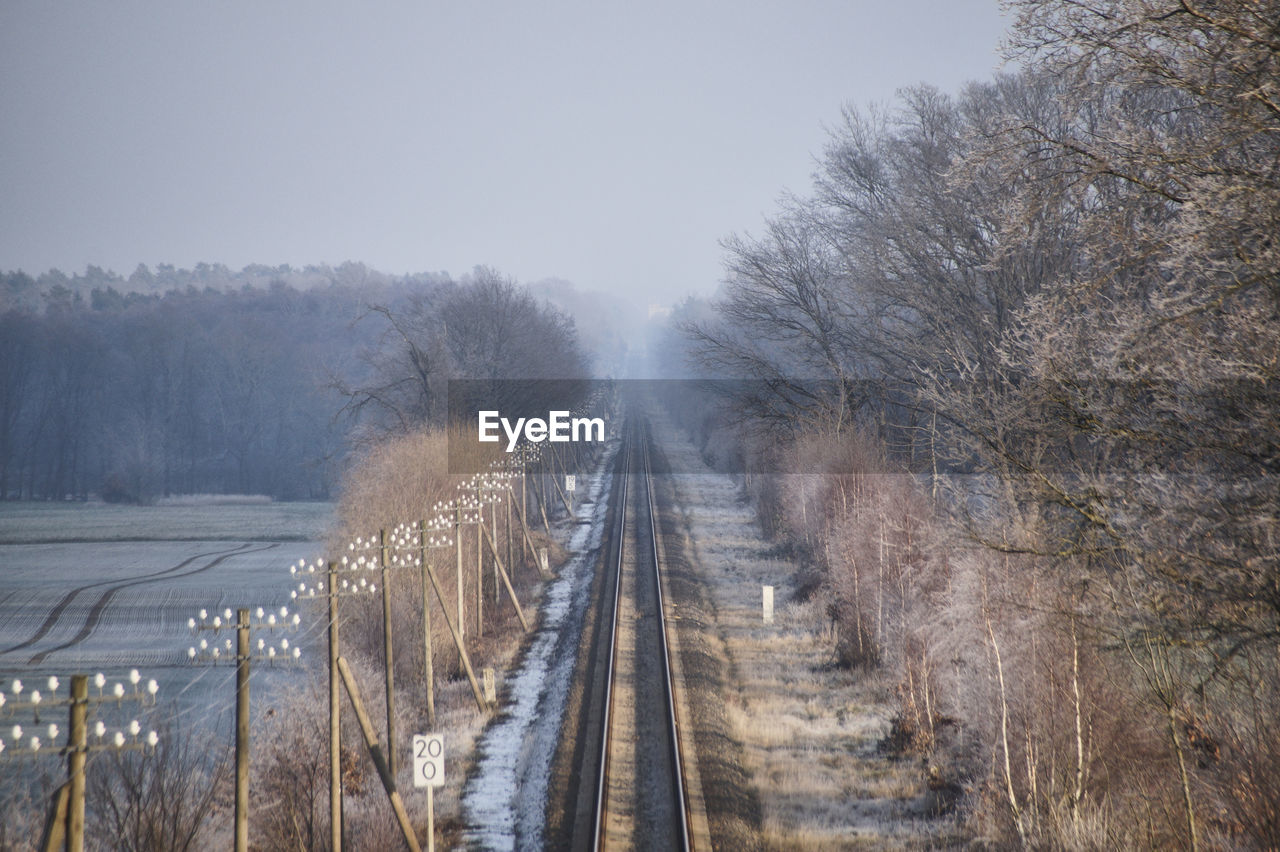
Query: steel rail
<point>620,527</point>
<point>674,727</point>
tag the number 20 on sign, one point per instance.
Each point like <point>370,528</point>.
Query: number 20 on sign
<point>428,760</point>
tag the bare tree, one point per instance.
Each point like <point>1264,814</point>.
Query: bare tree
<point>156,801</point>
<point>404,370</point>
<point>1134,416</point>
<point>486,329</point>
<point>1074,269</point>
<point>901,269</point>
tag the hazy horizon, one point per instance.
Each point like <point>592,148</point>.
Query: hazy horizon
<point>609,147</point>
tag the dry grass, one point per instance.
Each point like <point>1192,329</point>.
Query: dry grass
<point>1048,699</point>
<point>400,481</point>
<point>809,731</point>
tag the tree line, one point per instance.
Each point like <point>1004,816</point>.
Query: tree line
<point>1054,299</point>
<point>257,382</point>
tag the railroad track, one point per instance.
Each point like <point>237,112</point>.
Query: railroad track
<point>636,766</point>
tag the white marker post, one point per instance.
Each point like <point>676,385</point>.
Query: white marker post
<point>428,771</point>
<point>490,688</point>
<point>768,604</point>
<point>570,485</point>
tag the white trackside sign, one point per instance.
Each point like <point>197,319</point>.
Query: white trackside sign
<point>428,760</point>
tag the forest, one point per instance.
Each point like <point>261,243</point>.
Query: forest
<point>255,382</point>
<point>1004,382</point>
<point>1051,303</point>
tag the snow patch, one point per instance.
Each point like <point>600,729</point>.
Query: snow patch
<point>505,799</point>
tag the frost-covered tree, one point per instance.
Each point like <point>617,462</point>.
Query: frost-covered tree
<point>485,328</point>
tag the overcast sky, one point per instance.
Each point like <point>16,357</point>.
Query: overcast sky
<point>610,144</point>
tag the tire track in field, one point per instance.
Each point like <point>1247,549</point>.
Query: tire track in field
<point>61,606</point>
<point>56,613</point>
<point>95,612</point>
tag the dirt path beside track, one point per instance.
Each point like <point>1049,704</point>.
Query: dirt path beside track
<point>788,743</point>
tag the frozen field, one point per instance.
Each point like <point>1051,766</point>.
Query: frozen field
<point>88,588</point>
<point>194,519</point>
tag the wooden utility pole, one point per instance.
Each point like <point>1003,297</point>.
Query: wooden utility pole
<point>507,503</point>
<point>542,501</point>
<point>479,573</point>
<point>493,521</point>
<point>386,648</point>
<point>493,546</point>
<point>457,638</point>
<point>379,763</point>
<point>78,742</point>
<point>54,836</point>
<point>556,473</point>
<point>457,541</point>
<point>242,731</point>
<point>335,718</point>
<point>427,663</point>
<point>524,509</point>
<point>529,548</point>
